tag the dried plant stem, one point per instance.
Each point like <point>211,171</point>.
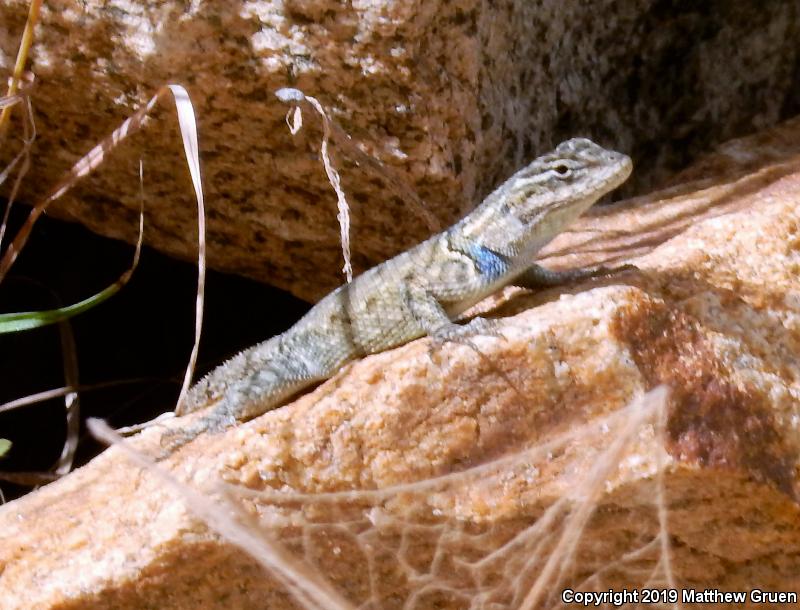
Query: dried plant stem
<point>22,57</point>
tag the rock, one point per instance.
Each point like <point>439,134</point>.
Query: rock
<point>499,475</point>
<point>453,96</point>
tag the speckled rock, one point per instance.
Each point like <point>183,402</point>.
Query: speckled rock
<point>471,468</point>
<point>452,95</point>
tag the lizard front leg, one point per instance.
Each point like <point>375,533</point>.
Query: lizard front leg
<point>432,318</point>
<point>537,276</point>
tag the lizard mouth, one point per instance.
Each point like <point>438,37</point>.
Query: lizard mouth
<point>618,168</point>
<point>622,171</point>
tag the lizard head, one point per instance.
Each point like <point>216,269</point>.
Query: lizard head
<point>543,198</point>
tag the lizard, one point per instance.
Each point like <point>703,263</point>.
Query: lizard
<point>418,292</point>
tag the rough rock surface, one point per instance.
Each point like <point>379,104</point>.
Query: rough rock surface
<point>453,95</point>
<point>476,470</point>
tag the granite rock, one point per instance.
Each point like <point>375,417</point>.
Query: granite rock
<point>451,477</point>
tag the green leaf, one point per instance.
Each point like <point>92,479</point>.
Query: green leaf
<point>5,445</point>
<point>27,320</point>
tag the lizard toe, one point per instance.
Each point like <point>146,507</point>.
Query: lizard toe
<point>463,333</point>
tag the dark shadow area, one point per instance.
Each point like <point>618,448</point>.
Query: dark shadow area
<point>136,345</point>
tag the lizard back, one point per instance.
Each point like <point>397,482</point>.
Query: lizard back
<point>419,291</point>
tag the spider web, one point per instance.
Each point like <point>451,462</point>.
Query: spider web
<point>437,543</point>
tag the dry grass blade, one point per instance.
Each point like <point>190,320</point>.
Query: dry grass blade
<point>31,399</point>
<point>29,136</point>
<point>10,100</point>
<point>95,157</point>
<point>84,166</point>
<point>188,127</point>
<point>22,57</point>
<point>30,479</point>
<point>34,398</point>
<point>296,96</point>
<point>396,181</point>
<point>72,401</point>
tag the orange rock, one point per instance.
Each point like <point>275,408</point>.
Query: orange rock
<point>501,474</point>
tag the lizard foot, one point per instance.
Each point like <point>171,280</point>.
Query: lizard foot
<point>463,333</point>
<point>172,440</point>
<point>603,270</point>
<point>536,277</point>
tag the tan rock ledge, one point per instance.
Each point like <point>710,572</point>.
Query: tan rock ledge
<point>496,477</point>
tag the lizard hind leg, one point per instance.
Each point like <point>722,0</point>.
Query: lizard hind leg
<point>241,401</point>
<point>214,422</point>
<point>220,417</point>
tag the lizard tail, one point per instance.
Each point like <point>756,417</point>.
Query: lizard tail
<point>252,382</point>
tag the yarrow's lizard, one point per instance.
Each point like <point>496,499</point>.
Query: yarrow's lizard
<point>420,291</point>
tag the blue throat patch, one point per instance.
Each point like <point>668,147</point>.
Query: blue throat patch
<point>490,263</point>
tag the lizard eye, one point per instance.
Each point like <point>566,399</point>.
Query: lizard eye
<point>562,170</point>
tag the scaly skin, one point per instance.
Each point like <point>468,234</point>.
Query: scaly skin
<point>420,291</point>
